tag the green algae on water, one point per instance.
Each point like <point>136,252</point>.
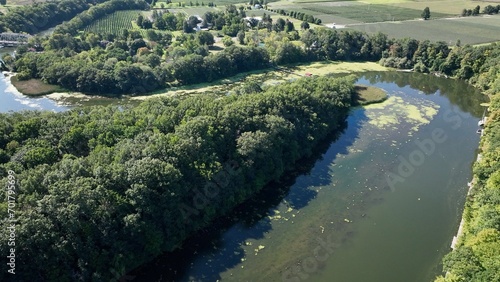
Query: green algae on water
<point>396,110</point>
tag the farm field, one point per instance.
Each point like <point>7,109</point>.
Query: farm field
<point>371,13</point>
<point>199,10</point>
<point>402,18</point>
<point>469,30</point>
<point>348,12</point>
<point>444,6</point>
<point>114,22</point>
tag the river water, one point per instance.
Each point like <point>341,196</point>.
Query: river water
<point>380,203</point>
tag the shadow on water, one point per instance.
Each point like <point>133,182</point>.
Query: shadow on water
<point>458,92</point>
<point>222,241</point>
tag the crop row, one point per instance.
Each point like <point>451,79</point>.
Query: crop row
<point>114,22</point>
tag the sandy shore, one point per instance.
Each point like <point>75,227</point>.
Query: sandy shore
<point>58,96</point>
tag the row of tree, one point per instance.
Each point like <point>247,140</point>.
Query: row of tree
<point>471,12</point>
<point>101,190</point>
<point>488,10</point>
<point>298,15</point>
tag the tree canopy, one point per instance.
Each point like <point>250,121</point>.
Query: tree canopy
<point>105,189</point>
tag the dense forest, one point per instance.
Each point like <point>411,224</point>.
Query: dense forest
<point>103,189</point>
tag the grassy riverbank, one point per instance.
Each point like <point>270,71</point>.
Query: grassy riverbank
<point>269,77</point>
<point>366,95</point>
<point>34,87</point>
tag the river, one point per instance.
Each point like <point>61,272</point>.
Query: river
<point>380,203</point>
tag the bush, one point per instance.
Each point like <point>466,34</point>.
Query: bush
<point>227,41</point>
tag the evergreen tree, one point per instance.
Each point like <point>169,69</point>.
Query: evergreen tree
<point>426,14</point>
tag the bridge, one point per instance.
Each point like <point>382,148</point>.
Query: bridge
<point>13,39</point>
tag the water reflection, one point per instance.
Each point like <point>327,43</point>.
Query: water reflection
<point>458,92</point>
<point>213,251</point>
<point>12,100</point>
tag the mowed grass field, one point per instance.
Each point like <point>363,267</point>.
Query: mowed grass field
<point>469,30</point>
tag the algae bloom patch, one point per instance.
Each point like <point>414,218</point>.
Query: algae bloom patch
<point>396,111</point>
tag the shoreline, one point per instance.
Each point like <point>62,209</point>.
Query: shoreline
<point>457,240</point>
<point>10,87</point>
<point>314,68</point>
<point>460,231</point>
<point>33,87</point>
<point>26,102</point>
<point>471,184</point>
